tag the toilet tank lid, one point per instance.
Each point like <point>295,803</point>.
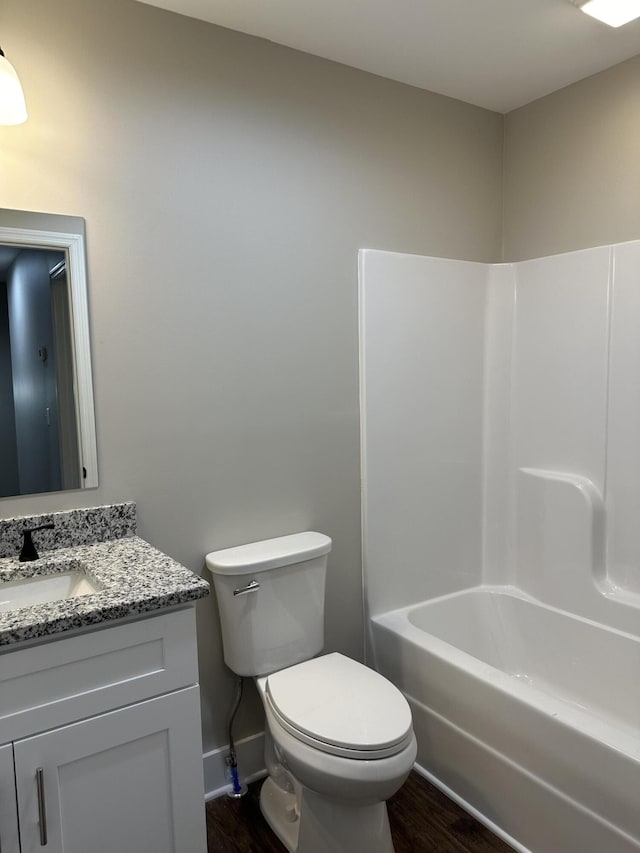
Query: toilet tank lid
<point>268,554</point>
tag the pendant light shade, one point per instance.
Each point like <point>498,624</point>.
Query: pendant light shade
<point>13,109</point>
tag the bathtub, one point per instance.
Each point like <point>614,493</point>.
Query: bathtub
<point>527,715</point>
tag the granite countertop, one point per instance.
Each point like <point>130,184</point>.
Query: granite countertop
<point>133,577</point>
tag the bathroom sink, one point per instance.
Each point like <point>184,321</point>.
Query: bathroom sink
<point>44,588</point>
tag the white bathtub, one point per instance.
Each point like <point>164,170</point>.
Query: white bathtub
<point>528,715</point>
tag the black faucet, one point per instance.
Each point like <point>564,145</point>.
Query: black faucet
<point>28,548</point>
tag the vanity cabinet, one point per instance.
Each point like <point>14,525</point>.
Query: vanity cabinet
<point>127,780</point>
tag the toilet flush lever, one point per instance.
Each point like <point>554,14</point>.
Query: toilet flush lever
<point>253,586</point>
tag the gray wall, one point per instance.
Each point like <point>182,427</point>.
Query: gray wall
<point>227,184</point>
<point>571,177</point>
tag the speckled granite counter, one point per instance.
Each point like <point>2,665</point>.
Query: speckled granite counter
<point>132,576</point>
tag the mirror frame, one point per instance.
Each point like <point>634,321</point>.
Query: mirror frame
<point>73,246</point>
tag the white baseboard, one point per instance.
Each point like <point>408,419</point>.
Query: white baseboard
<point>250,756</point>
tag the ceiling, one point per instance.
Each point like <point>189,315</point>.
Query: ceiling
<point>498,54</point>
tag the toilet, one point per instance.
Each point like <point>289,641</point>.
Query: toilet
<point>339,739</point>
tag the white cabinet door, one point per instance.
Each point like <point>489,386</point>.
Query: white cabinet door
<point>129,781</point>
<point>8,808</point>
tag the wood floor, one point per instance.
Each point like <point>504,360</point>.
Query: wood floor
<point>421,818</point>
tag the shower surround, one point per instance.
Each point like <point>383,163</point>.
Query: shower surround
<point>501,512</point>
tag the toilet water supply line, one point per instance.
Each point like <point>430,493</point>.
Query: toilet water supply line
<point>238,790</point>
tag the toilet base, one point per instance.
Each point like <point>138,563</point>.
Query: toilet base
<point>280,809</point>
<point>306,822</point>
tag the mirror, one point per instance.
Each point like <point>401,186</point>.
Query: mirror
<point>47,422</point>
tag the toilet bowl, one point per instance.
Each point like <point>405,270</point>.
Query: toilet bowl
<point>340,744</point>
<point>339,739</point>
<point>340,728</point>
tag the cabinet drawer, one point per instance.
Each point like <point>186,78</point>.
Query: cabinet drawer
<point>68,679</point>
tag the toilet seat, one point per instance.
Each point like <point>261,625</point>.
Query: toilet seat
<point>340,707</point>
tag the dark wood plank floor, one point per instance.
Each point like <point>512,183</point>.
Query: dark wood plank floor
<point>421,818</point>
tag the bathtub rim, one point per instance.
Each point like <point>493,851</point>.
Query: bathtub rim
<point>614,735</point>
<point>510,591</point>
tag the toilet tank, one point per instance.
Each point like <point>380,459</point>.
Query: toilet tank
<point>271,601</point>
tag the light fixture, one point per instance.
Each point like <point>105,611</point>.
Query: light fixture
<point>13,109</point>
<point>612,12</point>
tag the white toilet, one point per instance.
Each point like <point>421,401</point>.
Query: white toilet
<point>339,735</point>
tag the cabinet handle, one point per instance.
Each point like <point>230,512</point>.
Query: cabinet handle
<point>42,811</point>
